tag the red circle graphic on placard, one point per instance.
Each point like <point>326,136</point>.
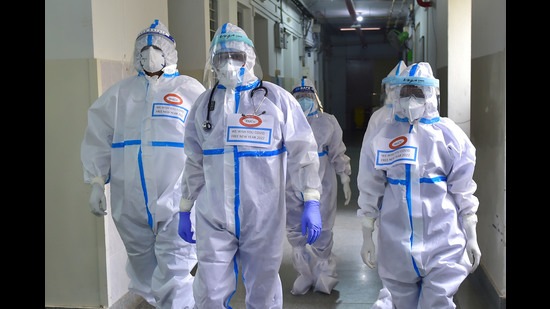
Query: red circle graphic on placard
<point>251,121</point>
<point>173,98</point>
<point>398,142</point>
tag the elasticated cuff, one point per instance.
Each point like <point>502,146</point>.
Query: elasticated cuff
<point>344,178</point>
<point>368,223</point>
<point>98,180</point>
<point>311,194</point>
<point>186,205</point>
<point>469,219</point>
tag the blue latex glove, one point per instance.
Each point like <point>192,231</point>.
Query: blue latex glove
<point>184,227</point>
<point>311,221</point>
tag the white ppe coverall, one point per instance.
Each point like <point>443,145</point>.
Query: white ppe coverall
<point>235,176</point>
<point>415,179</point>
<point>134,141</point>
<point>316,267</point>
<point>384,115</point>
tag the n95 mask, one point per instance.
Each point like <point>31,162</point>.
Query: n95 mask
<point>230,74</point>
<point>412,107</point>
<point>152,59</point>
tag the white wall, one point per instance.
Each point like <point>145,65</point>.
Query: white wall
<point>486,119</point>
<point>489,133</point>
<point>185,17</point>
<point>88,47</point>
<point>489,24</point>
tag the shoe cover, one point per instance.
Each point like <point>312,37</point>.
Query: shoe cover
<point>300,260</point>
<point>325,284</point>
<point>326,277</point>
<point>301,285</point>
<point>383,301</point>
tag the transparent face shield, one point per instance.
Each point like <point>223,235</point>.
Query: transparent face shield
<point>416,102</point>
<point>308,99</point>
<point>411,91</point>
<point>151,44</point>
<point>412,102</point>
<point>389,91</point>
<point>232,59</point>
<point>228,66</point>
<point>223,58</point>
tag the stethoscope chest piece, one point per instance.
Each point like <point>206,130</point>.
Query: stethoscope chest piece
<point>207,125</point>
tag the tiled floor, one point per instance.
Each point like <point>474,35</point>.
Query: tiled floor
<point>359,285</point>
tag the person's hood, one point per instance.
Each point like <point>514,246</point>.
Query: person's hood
<point>421,75</point>
<point>230,37</point>
<point>390,93</point>
<point>157,34</point>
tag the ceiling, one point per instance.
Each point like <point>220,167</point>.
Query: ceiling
<point>334,14</point>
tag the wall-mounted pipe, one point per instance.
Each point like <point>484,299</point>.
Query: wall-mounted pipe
<point>351,10</point>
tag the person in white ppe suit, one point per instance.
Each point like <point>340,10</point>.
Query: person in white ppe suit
<point>384,115</point>
<point>134,141</point>
<point>415,181</point>
<point>316,263</point>
<point>244,136</point>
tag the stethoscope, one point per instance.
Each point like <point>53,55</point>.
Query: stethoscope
<point>207,125</point>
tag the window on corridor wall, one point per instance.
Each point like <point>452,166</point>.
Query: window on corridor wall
<point>213,8</point>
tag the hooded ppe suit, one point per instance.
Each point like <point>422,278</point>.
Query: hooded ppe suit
<point>415,179</point>
<point>243,137</point>
<point>382,116</point>
<point>316,267</point>
<point>134,141</point>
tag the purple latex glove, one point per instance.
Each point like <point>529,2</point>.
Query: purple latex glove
<point>184,227</point>
<point>311,221</point>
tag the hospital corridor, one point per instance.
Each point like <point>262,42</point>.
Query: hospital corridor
<point>359,285</point>
<point>244,108</point>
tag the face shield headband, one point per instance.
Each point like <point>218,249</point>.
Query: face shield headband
<point>412,80</point>
<point>418,101</point>
<point>223,38</point>
<point>152,33</point>
<point>303,89</point>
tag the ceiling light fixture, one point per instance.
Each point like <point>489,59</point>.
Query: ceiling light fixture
<point>360,28</point>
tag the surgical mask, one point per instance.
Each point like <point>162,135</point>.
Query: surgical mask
<point>306,104</point>
<point>152,59</point>
<point>412,107</point>
<point>228,74</point>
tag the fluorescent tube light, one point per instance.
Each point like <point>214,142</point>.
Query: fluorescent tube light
<point>362,28</point>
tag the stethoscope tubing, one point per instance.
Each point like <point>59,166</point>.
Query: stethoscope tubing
<point>207,125</point>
